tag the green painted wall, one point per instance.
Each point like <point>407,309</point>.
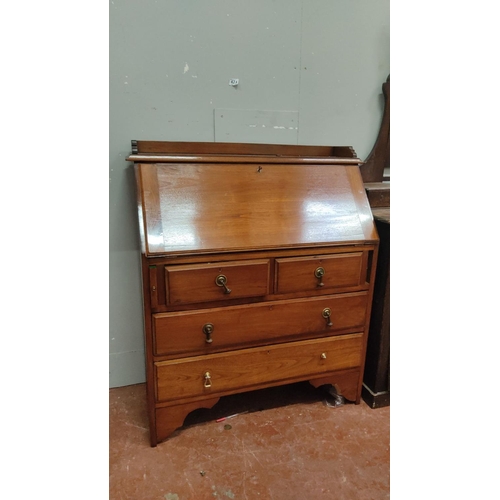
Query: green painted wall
<point>310,72</point>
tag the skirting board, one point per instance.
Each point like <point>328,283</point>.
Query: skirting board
<point>375,400</point>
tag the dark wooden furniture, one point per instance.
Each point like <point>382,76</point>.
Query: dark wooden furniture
<point>372,169</point>
<point>376,381</point>
<point>258,267</point>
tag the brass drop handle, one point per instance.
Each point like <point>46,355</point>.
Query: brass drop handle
<point>327,315</point>
<point>319,273</point>
<point>208,329</point>
<point>208,380</point>
<point>221,280</point>
<point>323,355</point>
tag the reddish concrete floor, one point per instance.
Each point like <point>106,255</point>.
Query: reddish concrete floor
<point>289,446</point>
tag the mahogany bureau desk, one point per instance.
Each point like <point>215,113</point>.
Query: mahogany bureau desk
<point>258,266</point>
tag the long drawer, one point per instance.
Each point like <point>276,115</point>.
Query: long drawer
<point>209,330</point>
<point>247,368</point>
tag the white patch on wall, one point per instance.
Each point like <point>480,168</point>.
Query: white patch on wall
<point>186,68</point>
<point>257,126</point>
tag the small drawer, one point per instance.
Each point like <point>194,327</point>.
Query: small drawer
<point>323,272</point>
<point>244,369</point>
<point>210,330</point>
<point>189,284</point>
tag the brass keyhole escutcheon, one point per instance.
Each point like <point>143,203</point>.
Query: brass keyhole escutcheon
<point>208,329</point>
<point>319,273</point>
<point>221,280</point>
<point>208,380</point>
<point>327,315</point>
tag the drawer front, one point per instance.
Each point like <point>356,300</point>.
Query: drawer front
<point>323,272</point>
<point>186,332</point>
<point>244,369</point>
<point>188,284</point>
